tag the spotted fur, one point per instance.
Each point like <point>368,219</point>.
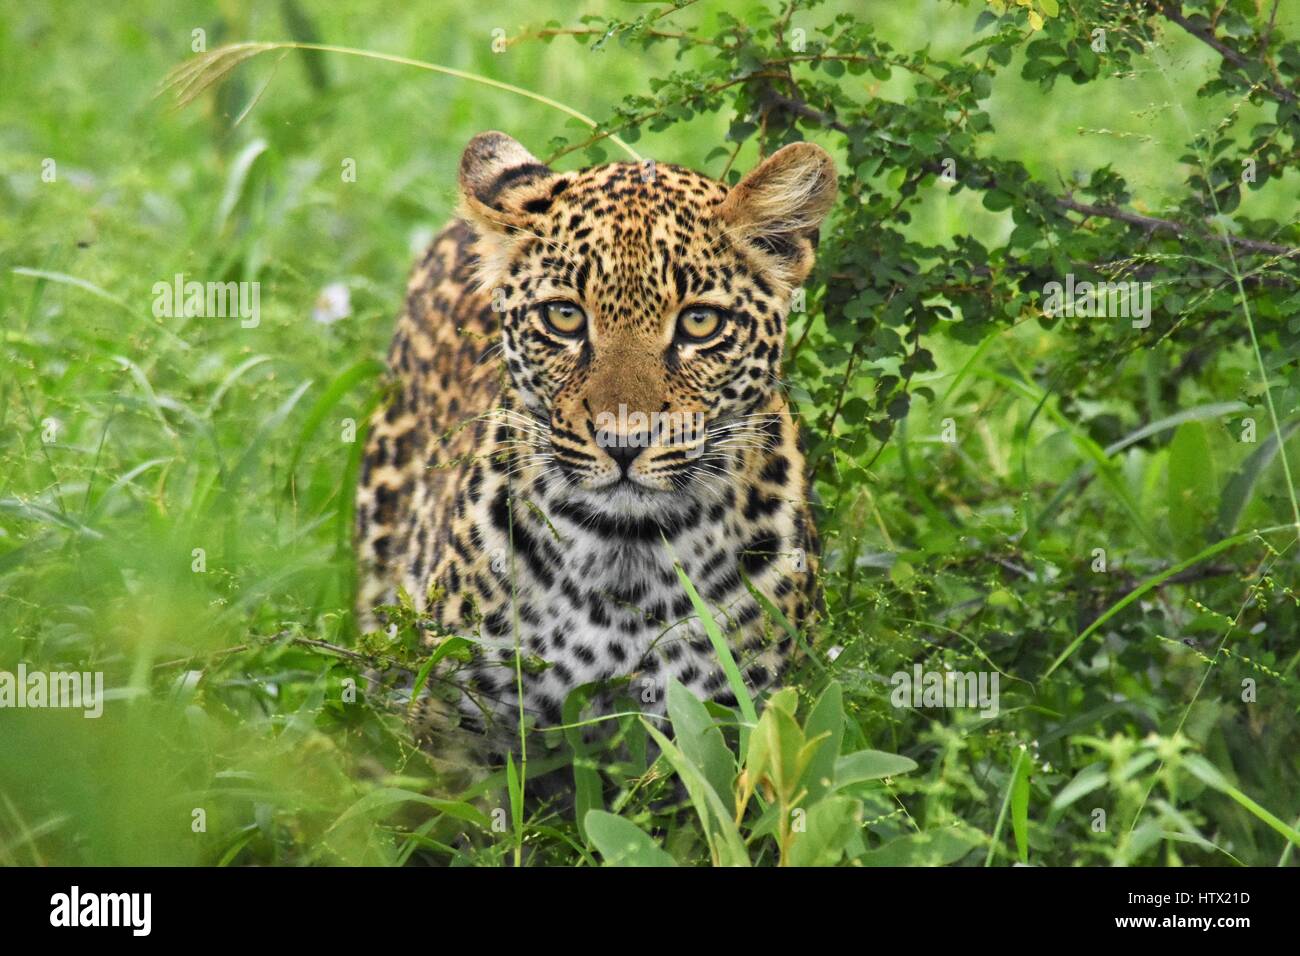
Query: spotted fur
<point>492,496</point>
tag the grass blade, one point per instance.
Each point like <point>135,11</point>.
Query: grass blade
<point>188,80</point>
<point>623,843</point>
<point>725,658</point>
<point>1154,581</point>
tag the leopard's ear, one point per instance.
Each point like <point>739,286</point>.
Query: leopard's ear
<point>779,207</point>
<point>502,185</point>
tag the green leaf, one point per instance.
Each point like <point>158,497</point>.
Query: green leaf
<point>1085,781</point>
<point>621,842</point>
<point>1211,776</point>
<point>785,746</point>
<point>870,765</point>
<point>1088,61</point>
<point>1191,485</point>
<point>701,741</point>
<point>830,825</point>
<point>587,788</point>
<point>1020,807</point>
<point>725,844</point>
<point>826,717</point>
<point>786,699</point>
<point>997,200</point>
<point>901,572</point>
<point>448,646</point>
<point>928,848</point>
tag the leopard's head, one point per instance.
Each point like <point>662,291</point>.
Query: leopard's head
<point>643,307</point>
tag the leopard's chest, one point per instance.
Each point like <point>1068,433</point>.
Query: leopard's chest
<point>608,602</point>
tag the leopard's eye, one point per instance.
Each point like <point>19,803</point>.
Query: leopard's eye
<point>699,323</point>
<point>563,318</point>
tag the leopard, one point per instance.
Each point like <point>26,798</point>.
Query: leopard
<point>588,442</point>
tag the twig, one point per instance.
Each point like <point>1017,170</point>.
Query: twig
<point>1174,14</point>
<point>1154,224</point>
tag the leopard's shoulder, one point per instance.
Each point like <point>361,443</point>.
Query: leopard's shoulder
<point>444,375</point>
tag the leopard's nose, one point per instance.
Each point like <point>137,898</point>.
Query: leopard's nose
<point>623,456</point>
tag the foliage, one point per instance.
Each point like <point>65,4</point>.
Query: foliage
<point>794,773</point>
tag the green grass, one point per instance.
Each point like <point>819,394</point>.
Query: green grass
<point>185,443</point>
